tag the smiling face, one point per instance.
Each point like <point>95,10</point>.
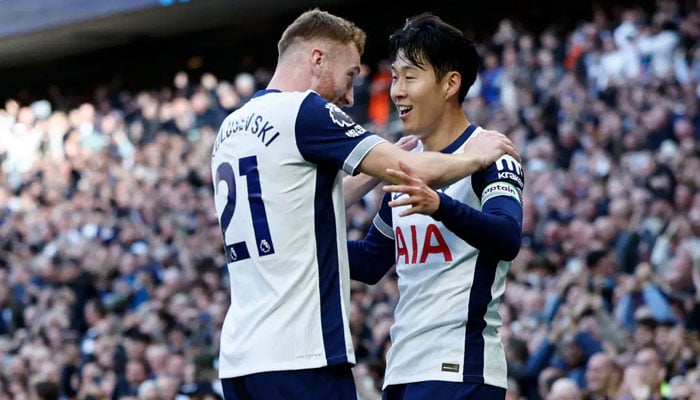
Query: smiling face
<point>417,95</point>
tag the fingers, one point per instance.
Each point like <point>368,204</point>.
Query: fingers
<point>397,188</point>
<point>402,201</point>
<point>407,143</point>
<point>415,193</point>
<point>401,176</point>
<point>512,151</point>
<point>410,211</point>
<point>416,207</point>
<point>504,143</point>
<point>417,200</point>
<point>408,170</point>
<point>507,146</point>
<point>407,201</point>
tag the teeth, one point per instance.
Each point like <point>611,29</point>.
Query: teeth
<point>404,109</point>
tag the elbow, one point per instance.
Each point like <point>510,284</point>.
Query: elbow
<point>505,235</point>
<point>509,255</point>
<point>511,246</point>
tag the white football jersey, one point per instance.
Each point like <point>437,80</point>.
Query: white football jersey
<point>276,168</point>
<point>446,320</point>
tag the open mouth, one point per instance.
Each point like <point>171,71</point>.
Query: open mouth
<point>404,110</point>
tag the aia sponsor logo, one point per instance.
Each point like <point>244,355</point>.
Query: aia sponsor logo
<point>412,248</point>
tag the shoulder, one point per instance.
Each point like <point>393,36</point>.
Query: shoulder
<point>317,112</point>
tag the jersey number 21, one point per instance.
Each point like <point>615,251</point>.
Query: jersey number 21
<point>247,167</point>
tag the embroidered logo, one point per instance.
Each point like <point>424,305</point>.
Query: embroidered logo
<point>338,116</point>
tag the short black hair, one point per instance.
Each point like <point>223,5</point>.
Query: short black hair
<point>427,39</point>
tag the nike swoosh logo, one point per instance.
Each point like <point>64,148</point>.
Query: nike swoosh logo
<point>396,196</point>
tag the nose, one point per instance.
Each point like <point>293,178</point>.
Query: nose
<point>397,90</point>
<point>349,97</point>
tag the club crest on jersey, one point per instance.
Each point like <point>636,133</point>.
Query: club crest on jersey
<point>265,246</point>
<point>340,118</point>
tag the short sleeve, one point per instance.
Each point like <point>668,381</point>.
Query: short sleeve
<point>383,220</point>
<point>327,136</point>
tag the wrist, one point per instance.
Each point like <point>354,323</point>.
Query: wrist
<point>438,214</point>
<point>471,165</point>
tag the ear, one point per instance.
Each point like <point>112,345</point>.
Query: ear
<point>316,61</point>
<point>452,81</point>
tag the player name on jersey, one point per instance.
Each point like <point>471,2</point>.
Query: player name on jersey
<point>253,124</point>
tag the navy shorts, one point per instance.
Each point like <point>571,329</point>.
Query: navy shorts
<point>432,390</point>
<point>334,382</point>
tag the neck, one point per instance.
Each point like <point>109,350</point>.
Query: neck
<point>449,128</point>
<point>289,78</point>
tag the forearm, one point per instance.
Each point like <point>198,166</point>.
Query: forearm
<point>435,169</point>
<point>370,258</point>
<point>355,187</point>
<point>497,230</point>
<point>439,170</point>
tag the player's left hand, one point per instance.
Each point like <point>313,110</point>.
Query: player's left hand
<point>421,198</point>
<point>408,142</point>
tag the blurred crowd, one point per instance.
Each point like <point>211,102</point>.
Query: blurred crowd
<point>112,277</point>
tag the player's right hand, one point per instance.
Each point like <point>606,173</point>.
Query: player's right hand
<point>488,146</point>
<point>420,197</point>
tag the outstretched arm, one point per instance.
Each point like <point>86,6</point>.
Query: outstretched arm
<point>496,228</point>
<point>438,169</point>
<point>354,187</point>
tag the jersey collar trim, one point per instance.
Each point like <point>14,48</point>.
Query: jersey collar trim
<point>265,91</point>
<point>460,140</point>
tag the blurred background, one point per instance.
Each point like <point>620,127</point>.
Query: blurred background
<point>112,277</point>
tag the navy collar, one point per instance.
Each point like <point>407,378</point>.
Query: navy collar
<point>264,92</point>
<point>460,140</point>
